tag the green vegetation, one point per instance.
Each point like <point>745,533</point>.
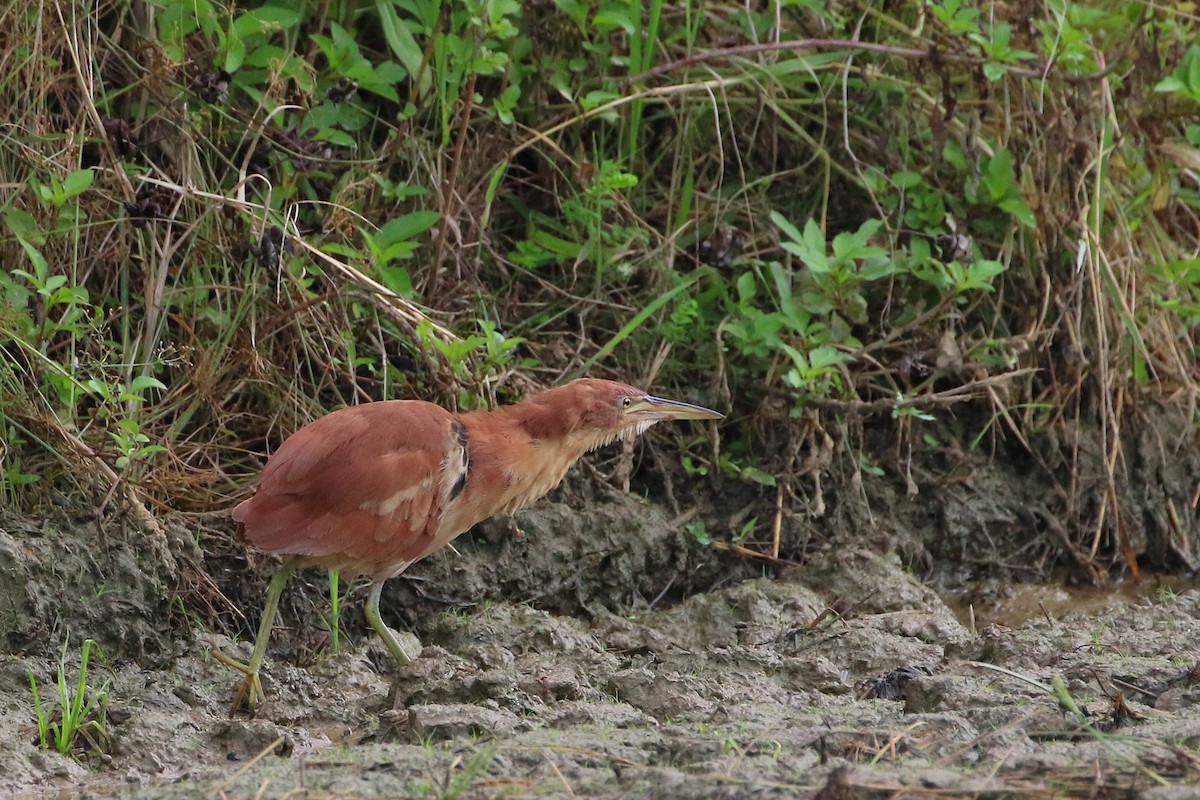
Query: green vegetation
<point>224,219</point>
<point>333,618</point>
<point>77,721</point>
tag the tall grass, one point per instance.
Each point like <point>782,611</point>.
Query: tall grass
<point>223,221</point>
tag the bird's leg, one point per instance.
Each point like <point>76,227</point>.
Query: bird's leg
<point>389,639</point>
<point>249,691</point>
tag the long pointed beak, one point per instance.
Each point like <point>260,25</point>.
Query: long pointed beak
<point>662,408</point>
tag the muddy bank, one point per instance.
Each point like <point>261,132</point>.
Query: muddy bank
<point>848,673</point>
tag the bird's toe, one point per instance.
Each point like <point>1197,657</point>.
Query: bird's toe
<point>247,695</point>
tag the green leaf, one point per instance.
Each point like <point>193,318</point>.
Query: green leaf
<point>783,282</point>
<point>999,175</point>
<point>365,77</point>
<point>847,246</point>
<point>77,183</point>
<point>408,225</point>
<point>699,532</point>
<point>789,230</point>
<point>825,356</point>
<point>264,19</point>
<point>96,387</point>
<point>397,279</point>
<point>1018,209</point>
<point>333,136</point>
<point>235,54</point>
<point>756,475</point>
<point>876,268</point>
<point>24,227</point>
<point>143,382</point>
<point>814,241</point>
<point>614,15</point>
<point>596,98</point>
<point>390,72</point>
<point>747,286</point>
<point>400,39</point>
<point>263,55</point>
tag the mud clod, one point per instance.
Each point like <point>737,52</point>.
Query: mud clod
<point>462,720</point>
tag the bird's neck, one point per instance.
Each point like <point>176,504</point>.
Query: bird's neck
<point>519,453</point>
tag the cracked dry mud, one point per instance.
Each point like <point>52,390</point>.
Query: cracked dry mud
<point>847,677</point>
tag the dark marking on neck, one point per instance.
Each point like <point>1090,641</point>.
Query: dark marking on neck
<point>464,441</point>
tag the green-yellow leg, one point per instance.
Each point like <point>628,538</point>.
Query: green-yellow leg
<point>389,639</point>
<point>250,691</point>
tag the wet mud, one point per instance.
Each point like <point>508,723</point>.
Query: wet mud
<point>599,655</point>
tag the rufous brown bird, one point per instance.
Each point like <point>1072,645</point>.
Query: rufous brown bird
<point>372,489</point>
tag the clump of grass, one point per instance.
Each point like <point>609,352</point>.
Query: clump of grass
<point>75,720</point>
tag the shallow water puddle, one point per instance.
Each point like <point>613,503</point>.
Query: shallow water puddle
<point>1014,604</point>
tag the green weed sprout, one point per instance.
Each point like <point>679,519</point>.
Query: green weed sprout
<point>78,714</point>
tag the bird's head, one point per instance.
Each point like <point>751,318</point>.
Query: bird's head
<point>593,412</point>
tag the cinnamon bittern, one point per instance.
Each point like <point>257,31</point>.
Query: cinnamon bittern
<point>372,489</point>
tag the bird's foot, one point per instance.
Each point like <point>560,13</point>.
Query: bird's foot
<point>249,691</point>
<point>247,695</point>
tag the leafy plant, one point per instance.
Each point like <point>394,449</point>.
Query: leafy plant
<point>586,230</point>
<point>78,714</point>
<point>953,277</point>
<point>996,43</point>
<point>998,187</point>
<point>126,433</point>
<point>958,16</point>
<point>809,324</point>
<point>489,350</point>
<point>63,308</point>
<point>1184,80</point>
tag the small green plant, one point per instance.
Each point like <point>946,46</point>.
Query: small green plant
<point>57,193</point>
<point>61,308</point>
<point>809,325</point>
<point>994,39</point>
<point>901,410</point>
<point>959,17</point>
<point>14,474</point>
<point>747,528</point>
<point>489,351</point>
<point>333,621</point>
<point>586,231</point>
<point>126,433</point>
<point>457,782</point>
<point>1184,81</point>
<point>953,277</point>
<point>996,44</point>
<point>699,532</point>
<point>78,715</point>
<point>999,187</point>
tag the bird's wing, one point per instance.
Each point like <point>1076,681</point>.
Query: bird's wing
<point>369,483</point>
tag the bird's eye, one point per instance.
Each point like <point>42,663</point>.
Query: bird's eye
<point>626,402</point>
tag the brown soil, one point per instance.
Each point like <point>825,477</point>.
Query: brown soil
<point>624,659</point>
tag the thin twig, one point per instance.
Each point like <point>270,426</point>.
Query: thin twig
<point>727,53</point>
<point>959,394</point>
